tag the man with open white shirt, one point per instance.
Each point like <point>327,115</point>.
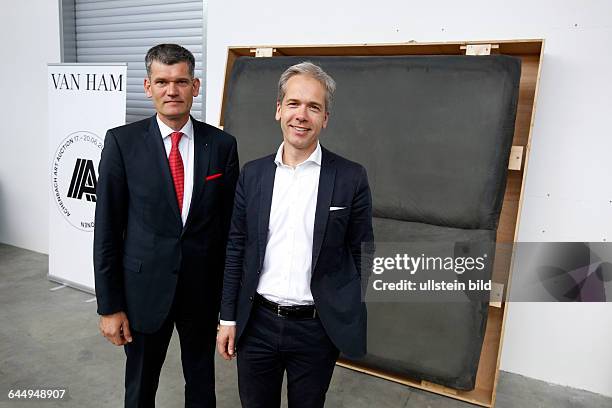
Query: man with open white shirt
<point>292,284</point>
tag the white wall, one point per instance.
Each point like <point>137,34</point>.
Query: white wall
<point>30,33</point>
<point>562,343</point>
<point>566,344</point>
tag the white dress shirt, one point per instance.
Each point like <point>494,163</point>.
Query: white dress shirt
<point>186,148</point>
<point>287,267</point>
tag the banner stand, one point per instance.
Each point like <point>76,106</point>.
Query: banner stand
<point>85,100</point>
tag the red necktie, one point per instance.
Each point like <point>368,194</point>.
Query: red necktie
<point>176,168</point>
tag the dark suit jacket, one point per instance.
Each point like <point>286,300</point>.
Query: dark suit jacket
<point>140,244</point>
<point>336,250</point>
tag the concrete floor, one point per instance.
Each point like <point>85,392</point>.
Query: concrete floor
<point>49,339</point>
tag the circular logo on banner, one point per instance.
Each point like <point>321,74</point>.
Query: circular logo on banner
<point>74,179</point>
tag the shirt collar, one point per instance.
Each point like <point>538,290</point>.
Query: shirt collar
<point>315,156</point>
<point>166,130</point>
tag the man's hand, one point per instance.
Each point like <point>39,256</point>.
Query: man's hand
<point>225,341</point>
<point>116,328</point>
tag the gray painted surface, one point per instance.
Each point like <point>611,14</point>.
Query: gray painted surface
<point>123,31</point>
<point>68,30</point>
<point>50,339</point>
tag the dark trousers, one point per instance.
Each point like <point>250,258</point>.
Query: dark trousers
<point>272,344</point>
<point>146,354</point>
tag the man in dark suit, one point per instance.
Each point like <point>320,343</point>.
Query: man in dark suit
<point>164,199</point>
<point>292,294</point>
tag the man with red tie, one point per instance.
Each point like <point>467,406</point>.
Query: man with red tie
<point>164,200</point>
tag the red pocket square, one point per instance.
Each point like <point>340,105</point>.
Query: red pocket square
<point>213,176</point>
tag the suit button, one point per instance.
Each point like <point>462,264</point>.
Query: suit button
<point>174,271</point>
<point>251,298</point>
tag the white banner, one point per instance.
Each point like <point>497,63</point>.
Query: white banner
<point>85,100</point>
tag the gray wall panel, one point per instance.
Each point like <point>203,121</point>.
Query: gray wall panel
<point>123,31</point>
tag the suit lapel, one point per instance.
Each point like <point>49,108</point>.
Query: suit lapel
<point>201,152</point>
<point>266,188</point>
<point>324,196</point>
<point>156,145</point>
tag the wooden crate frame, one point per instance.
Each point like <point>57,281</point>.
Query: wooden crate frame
<point>530,51</point>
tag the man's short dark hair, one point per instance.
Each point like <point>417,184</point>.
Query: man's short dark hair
<point>170,54</point>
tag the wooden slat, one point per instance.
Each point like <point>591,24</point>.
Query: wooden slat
<point>501,266</point>
<point>507,221</point>
<point>513,187</point>
<point>497,294</point>
<point>529,75</point>
<point>437,388</point>
<point>479,49</point>
<point>263,52</point>
<point>516,158</point>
